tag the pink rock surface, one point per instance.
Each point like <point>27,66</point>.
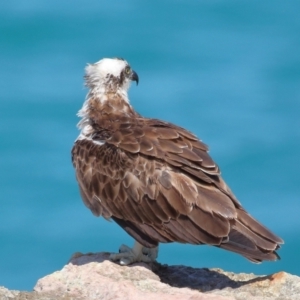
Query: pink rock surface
<point>93,276</point>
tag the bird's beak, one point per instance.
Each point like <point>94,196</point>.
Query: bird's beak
<point>134,77</point>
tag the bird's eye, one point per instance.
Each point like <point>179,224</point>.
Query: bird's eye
<point>127,70</point>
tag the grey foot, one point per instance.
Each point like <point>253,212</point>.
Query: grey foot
<point>152,253</point>
<point>138,253</point>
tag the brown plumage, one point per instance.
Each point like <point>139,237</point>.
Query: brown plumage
<point>155,179</point>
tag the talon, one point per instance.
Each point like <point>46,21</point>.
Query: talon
<point>124,261</point>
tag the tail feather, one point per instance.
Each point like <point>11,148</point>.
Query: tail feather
<point>251,239</point>
<point>257,227</point>
<point>254,255</point>
<point>259,241</point>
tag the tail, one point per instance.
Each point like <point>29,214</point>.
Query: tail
<point>251,239</point>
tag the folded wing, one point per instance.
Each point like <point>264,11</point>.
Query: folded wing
<point>157,181</point>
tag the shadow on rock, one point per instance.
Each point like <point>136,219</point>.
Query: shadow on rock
<point>203,279</point>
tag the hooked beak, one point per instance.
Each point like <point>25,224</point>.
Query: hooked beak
<point>134,77</point>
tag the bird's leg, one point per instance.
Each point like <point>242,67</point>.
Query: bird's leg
<point>137,253</point>
<point>152,253</point>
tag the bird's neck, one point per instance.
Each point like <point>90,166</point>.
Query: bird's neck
<point>102,107</point>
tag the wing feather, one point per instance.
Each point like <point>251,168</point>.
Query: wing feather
<point>210,223</point>
<point>158,210</point>
<point>158,182</point>
<point>198,234</point>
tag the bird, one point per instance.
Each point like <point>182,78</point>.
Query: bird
<point>155,179</point>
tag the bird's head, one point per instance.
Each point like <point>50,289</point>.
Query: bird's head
<point>110,75</point>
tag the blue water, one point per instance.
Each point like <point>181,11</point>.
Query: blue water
<point>227,70</point>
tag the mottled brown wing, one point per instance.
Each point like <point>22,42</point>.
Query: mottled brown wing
<point>178,150</point>
<point>158,182</point>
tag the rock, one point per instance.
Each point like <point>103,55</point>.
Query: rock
<point>7,294</point>
<point>93,276</point>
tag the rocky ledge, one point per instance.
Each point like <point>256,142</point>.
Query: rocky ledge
<point>93,276</point>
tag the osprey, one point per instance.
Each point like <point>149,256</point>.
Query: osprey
<point>155,179</point>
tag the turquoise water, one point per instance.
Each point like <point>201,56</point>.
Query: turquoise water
<point>226,70</point>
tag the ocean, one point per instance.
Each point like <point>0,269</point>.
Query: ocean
<point>229,71</point>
